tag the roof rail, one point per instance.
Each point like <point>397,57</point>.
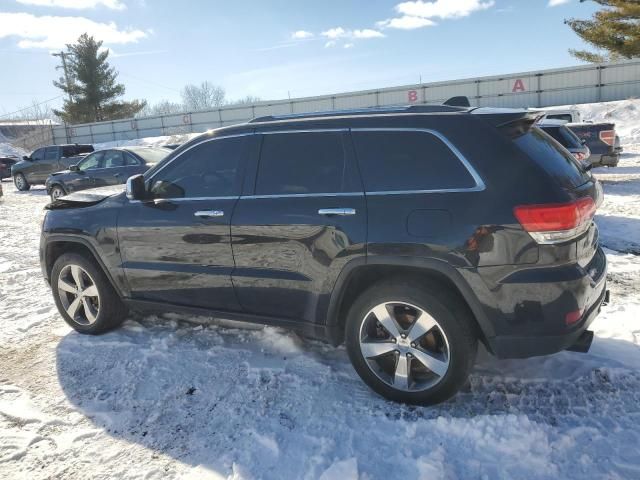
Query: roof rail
<point>361,111</point>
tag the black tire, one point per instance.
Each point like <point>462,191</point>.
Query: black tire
<point>21,182</point>
<point>454,320</point>
<point>55,188</point>
<point>112,311</point>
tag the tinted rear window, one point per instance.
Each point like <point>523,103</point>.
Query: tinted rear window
<point>560,116</point>
<point>556,161</point>
<point>396,161</point>
<point>73,150</point>
<point>562,135</point>
<point>152,155</point>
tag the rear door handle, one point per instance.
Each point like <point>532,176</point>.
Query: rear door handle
<point>209,213</point>
<point>116,174</point>
<point>337,211</point>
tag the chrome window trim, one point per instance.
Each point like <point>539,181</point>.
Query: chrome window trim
<point>185,199</point>
<point>302,130</point>
<point>303,195</point>
<point>479,183</point>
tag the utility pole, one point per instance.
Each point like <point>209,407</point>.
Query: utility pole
<point>63,57</point>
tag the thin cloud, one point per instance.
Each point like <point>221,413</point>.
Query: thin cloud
<point>336,35</point>
<point>301,35</point>
<point>406,23</point>
<point>555,3</point>
<point>76,4</point>
<point>55,32</point>
<point>419,14</point>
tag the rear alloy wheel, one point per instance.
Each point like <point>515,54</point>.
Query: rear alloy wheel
<point>84,296</point>
<point>56,192</point>
<point>20,182</point>
<point>411,341</point>
<point>404,346</point>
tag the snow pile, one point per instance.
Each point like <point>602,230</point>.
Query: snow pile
<point>148,141</point>
<point>624,113</point>
<point>164,397</point>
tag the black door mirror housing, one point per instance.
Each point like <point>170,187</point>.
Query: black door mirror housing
<point>136,188</point>
<point>74,168</point>
<point>26,158</point>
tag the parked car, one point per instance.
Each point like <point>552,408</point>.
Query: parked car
<point>567,139</point>
<point>102,168</point>
<point>565,115</point>
<point>412,234</point>
<point>5,166</point>
<point>35,168</point>
<point>601,139</point>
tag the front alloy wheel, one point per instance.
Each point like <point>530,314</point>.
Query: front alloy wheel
<point>21,182</point>
<point>57,192</point>
<point>78,294</point>
<point>404,346</point>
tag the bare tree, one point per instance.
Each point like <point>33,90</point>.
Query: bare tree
<point>163,107</point>
<point>31,126</point>
<point>248,100</point>
<point>202,97</point>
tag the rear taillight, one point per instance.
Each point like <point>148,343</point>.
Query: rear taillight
<point>608,137</point>
<point>556,222</point>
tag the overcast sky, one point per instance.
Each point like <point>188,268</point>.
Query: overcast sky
<point>273,48</point>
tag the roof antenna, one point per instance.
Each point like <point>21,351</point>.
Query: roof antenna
<point>460,101</point>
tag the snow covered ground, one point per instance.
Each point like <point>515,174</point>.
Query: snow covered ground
<point>167,398</point>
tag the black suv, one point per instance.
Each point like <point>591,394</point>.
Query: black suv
<point>408,233</point>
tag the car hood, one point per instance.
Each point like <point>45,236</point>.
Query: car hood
<point>62,172</point>
<point>85,198</point>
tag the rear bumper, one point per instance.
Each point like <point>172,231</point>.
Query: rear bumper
<point>524,347</point>
<point>532,308</point>
<point>609,160</point>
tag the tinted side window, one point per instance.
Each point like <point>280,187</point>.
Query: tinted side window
<point>210,169</point>
<point>51,153</point>
<point>299,163</point>
<point>113,158</point>
<point>393,161</point>
<point>131,160</point>
<point>38,154</point>
<point>91,162</point>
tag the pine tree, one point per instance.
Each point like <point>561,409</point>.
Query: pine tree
<point>614,29</point>
<point>91,86</point>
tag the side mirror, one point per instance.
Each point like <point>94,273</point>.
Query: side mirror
<point>74,168</point>
<point>136,188</point>
<point>584,142</point>
<point>26,158</point>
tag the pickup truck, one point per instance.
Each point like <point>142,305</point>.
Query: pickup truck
<point>602,141</point>
<point>35,168</point>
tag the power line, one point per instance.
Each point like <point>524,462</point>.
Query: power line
<point>32,106</point>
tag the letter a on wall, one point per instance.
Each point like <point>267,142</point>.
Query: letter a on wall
<point>518,86</point>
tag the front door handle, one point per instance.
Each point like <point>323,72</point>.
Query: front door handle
<point>337,211</point>
<point>209,213</point>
